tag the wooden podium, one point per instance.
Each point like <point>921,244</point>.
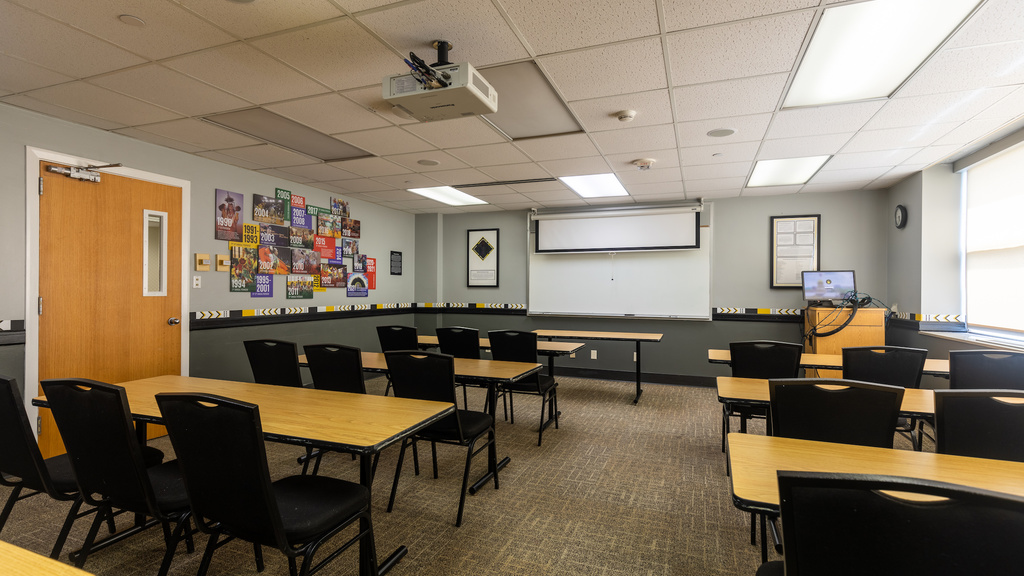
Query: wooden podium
<point>866,329</point>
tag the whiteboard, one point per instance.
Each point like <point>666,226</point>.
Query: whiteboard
<point>653,284</point>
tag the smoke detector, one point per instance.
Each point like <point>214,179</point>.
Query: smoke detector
<point>644,163</point>
<point>625,115</point>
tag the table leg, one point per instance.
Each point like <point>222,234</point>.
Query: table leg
<point>367,546</point>
<point>492,400</point>
<point>639,390</point>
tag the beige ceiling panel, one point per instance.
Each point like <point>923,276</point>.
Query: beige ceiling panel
<point>394,196</point>
<point>546,186</point>
<point>933,154</point>
<point>483,192</point>
<point>850,161</point>
<point>489,154</point>
<point>463,176</point>
<point>284,175</point>
<point>969,69</point>
<point>361,185</point>
<point>730,51</point>
<point>713,194</point>
<point>667,158</point>
<point>863,175</point>
<point>412,161</point>
<point>558,26</point>
<point>572,203</point>
<point>746,129</point>
<point>23,101</point>
<point>168,31</point>
<point>817,120</point>
<point>173,90</point>
<point>909,137</point>
<point>770,190</point>
<point>202,134</point>
<point>557,147</point>
<point>577,166</point>
<point>371,167</point>
<point>1007,109</point>
<point>224,158</point>
<point>372,99</point>
<point>683,15</point>
<point>406,181</point>
<point>803,146</point>
<point>339,54</point>
<point>829,188</point>
<point>639,189</point>
<point>456,133</point>
<point>612,200</point>
<point>551,196</point>
<point>37,39</point>
<point>716,184</point>
<point>947,107</point>
<point>504,199</point>
<point>515,172</point>
<point>329,113</point>
<point>477,31</point>
<point>102,103</point>
<point>622,69</point>
<point>20,76</point>
<point>386,141</point>
<point>600,114</point>
<point>246,20</point>
<point>729,98</point>
<point>246,73</point>
<point>721,154</point>
<point>269,156</point>
<point>328,187</point>
<point>970,131</point>
<point>631,139</point>
<point>996,21</point>
<point>650,176</point>
<point>717,171</point>
<point>320,172</point>
<point>158,140</point>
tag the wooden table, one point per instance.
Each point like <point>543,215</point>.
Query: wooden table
<point>362,424</point>
<point>20,562</point>
<point>544,348</point>
<point>638,337</point>
<point>917,403</point>
<point>932,366</point>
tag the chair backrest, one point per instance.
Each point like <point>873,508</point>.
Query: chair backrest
<point>830,410</point>
<point>892,365</point>
<point>336,367</point>
<point>842,524</point>
<point>979,423</point>
<point>397,338</point>
<point>219,445</point>
<point>513,345</point>
<point>274,362</point>
<point>422,375</point>
<point>459,341</point>
<point>96,425</point>
<point>765,359</point>
<point>19,453</point>
<point>986,370</point>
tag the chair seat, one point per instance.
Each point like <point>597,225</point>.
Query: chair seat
<point>773,568</point>
<point>473,424</point>
<point>311,505</point>
<point>168,487</point>
<point>61,474</point>
<point>541,385</point>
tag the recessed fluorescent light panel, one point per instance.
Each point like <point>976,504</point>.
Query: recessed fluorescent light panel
<point>448,195</point>
<point>785,171</point>
<point>595,185</point>
<point>868,49</point>
<point>286,133</point>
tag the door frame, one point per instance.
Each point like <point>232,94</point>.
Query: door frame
<point>33,156</point>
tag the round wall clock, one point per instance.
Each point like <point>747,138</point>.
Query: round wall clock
<point>901,216</point>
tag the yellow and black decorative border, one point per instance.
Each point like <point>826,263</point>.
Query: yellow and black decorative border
<point>208,319</point>
<point>759,314</point>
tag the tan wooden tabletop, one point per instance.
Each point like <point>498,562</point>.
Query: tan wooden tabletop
<point>17,561</point>
<point>919,403</point>
<point>932,366</point>
<point>487,371</point>
<point>596,335</point>
<point>543,347</point>
<point>755,461</point>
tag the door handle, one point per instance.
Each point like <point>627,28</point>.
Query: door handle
<point>173,321</point>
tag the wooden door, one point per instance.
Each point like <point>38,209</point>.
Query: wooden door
<point>100,319</point>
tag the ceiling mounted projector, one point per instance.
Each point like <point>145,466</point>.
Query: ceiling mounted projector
<point>440,91</point>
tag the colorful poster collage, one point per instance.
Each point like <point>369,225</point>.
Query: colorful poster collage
<point>304,243</point>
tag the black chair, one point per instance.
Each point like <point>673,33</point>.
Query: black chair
<point>219,444</point>
<point>980,423</point>
<point>431,376</point>
<point>94,420</point>
<point>832,410</point>
<point>397,337</point>
<point>986,370</point>
<point>517,346</point>
<point>333,367</point>
<point>758,359</point>
<point>892,365</point>
<point>460,342</point>
<point>893,525</point>
<point>274,362</point>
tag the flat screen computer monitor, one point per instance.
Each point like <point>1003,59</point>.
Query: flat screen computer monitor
<point>829,285</point>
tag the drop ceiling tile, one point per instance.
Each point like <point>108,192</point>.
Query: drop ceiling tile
<point>531,187</point>
<point>37,39</point>
<point>386,141</point>
<point>715,171</point>
<point>361,185</point>
<point>576,202</point>
<point>552,196</point>
<point>224,158</point>
<point>1008,108</point>
<point>748,48</point>
<point>411,161</point>
<point>599,114</point>
<point>484,192</point>
<point>729,98</point>
<point>669,197</point>
<point>372,99</point>
<point>682,15</point>
<point>909,137</point>
<point>505,199</point>
<point>340,54</point>
<point>576,166</point>
<point>933,154</point>
<point>863,175</point>
<point>320,172</point>
<point>770,190</point>
<point>463,176</point>
<point>557,147</point>
<point>802,147</point>
<point>489,154</point>
<point>970,131</point>
<point>849,161</point>
<point>202,134</point>
<point>716,184</point>
<point>172,90</point>
<point>246,73</point>
<point>996,21</point>
<point>102,103</point>
<point>169,30</point>
<point>747,129</point>
<point>457,132</point>
<point>371,167</point>
<point>667,158</point>
<point>713,194</point>
<point>405,181</point>
<point>623,69</point>
<point>477,31</point>
<point>284,175</point>
<point>966,69</point>
<point>947,107</point>
<point>558,26</point>
<point>831,187</point>
<point>613,200</point>
<point>639,189</point>
<point>269,156</point>
<point>20,76</point>
<point>328,187</point>
<point>394,196</point>
<point>651,176</point>
<point>158,140</point>
<point>816,120</point>
<point>630,139</point>
<point>257,18</point>
<point>721,154</point>
<point>329,113</point>
<point>23,101</point>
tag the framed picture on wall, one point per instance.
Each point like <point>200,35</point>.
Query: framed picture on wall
<point>482,258</point>
<point>795,248</point>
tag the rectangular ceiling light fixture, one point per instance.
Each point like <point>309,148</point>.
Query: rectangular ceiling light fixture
<point>868,49</point>
<point>448,195</point>
<point>275,129</point>
<point>595,185</point>
<point>785,171</point>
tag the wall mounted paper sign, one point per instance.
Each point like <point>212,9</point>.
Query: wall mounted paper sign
<point>250,235</point>
<point>359,263</point>
<point>264,286</point>
<point>482,258</point>
<point>349,228</point>
<point>269,210</point>
<point>396,263</point>
<point>285,197</point>
<point>305,261</point>
<point>275,260</point>
<point>272,235</point>
<point>243,268</point>
<point>371,273</point>
<point>298,202</point>
<point>325,246</point>
<point>300,286</point>
<point>328,225</point>
<point>339,250</point>
<point>349,247</point>
<point>794,245</point>
<point>333,274</point>
<point>229,208</point>
<point>317,287</point>
<point>302,238</point>
<point>300,219</point>
<point>357,285</point>
<point>339,206</point>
